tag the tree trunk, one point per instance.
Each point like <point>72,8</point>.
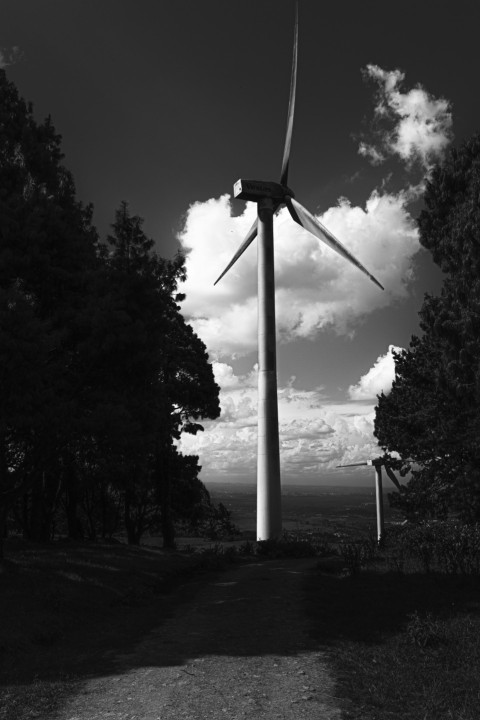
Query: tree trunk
<point>4,505</point>
<point>164,478</point>
<point>133,535</point>
<point>103,497</point>
<point>89,500</point>
<point>3,529</point>
<point>44,496</point>
<point>74,524</point>
<point>72,499</point>
<point>35,512</point>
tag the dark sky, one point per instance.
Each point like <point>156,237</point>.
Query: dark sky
<point>166,103</point>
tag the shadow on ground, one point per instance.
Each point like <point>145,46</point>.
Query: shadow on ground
<point>79,612</point>
<point>371,606</point>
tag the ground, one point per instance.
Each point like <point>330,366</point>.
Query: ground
<point>239,648</point>
<point>103,630</point>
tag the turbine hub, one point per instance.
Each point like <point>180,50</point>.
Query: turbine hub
<point>255,190</point>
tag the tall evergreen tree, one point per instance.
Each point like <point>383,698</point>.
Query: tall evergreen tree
<point>47,255</point>
<point>432,415</point>
<point>158,369</point>
<point>99,372</point>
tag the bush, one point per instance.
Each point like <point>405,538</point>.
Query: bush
<point>288,546</point>
<point>218,524</point>
<point>458,548</point>
<point>449,547</point>
<point>247,548</point>
<point>425,631</point>
<point>357,553</point>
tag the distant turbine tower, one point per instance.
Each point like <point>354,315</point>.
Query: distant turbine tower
<point>270,196</point>
<point>377,464</point>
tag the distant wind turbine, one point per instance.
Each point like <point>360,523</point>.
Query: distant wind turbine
<point>377,463</point>
<point>270,197</point>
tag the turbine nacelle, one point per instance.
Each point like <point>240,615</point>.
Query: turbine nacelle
<point>280,193</point>
<point>377,463</point>
<point>255,190</point>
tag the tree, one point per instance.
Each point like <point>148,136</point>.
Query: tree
<point>159,376</point>
<point>47,254</point>
<point>191,394</point>
<point>431,418</point>
<point>99,372</point>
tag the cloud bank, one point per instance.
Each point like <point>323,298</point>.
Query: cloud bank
<point>316,289</point>
<point>316,435</point>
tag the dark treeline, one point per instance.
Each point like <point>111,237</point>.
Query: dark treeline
<point>430,420</point>
<point>99,372</point>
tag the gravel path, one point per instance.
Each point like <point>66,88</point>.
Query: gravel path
<point>239,648</point>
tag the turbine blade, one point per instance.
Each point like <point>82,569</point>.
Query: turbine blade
<point>392,477</point>
<point>251,235</point>
<point>352,465</point>
<point>291,104</point>
<point>305,218</point>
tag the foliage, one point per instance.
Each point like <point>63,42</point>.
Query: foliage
<point>47,261</point>
<point>425,631</point>
<point>400,647</point>
<point>217,524</point>
<point>99,372</point>
<point>286,546</point>
<point>356,554</point>
<point>430,421</point>
<point>449,547</point>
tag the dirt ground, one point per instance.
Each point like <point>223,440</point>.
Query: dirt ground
<point>239,647</point>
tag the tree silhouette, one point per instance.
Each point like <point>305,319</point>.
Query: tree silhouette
<point>47,256</point>
<point>99,372</point>
<point>432,415</point>
<point>157,368</point>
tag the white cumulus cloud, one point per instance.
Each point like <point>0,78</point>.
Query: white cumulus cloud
<point>316,434</point>
<point>378,379</point>
<point>422,124</point>
<point>315,288</point>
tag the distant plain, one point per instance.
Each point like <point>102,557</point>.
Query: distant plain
<point>325,509</point>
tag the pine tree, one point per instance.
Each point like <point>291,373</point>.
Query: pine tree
<point>157,369</point>
<point>432,415</point>
<point>47,256</point>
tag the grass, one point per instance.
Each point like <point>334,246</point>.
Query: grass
<point>404,647</point>
<point>67,608</point>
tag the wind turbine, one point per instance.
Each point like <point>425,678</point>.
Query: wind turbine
<point>377,463</point>
<point>270,197</point>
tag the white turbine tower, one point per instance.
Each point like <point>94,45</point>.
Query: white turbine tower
<point>378,463</point>
<point>270,197</point>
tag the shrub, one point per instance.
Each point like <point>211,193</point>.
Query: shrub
<point>425,631</point>
<point>357,553</point>
<point>288,546</point>
<point>457,548</point>
<point>218,525</point>
<point>449,547</point>
<point>247,548</point>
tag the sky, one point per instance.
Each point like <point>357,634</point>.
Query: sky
<point>166,104</point>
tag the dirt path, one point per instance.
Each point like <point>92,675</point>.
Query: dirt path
<point>239,648</point>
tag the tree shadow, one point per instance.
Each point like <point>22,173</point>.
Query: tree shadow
<point>370,606</point>
<point>276,608</point>
<point>254,610</point>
